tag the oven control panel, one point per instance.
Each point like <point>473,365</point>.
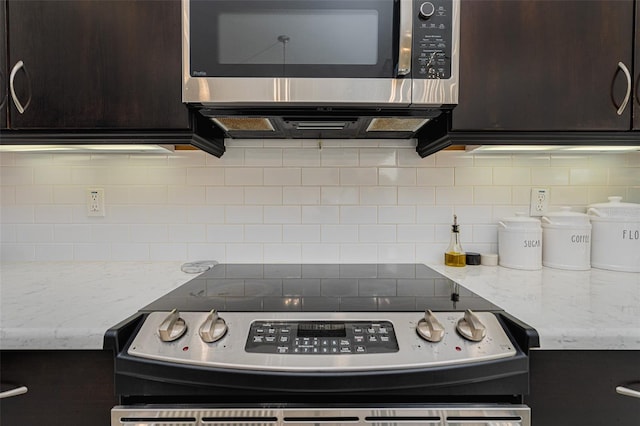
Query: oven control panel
<point>321,337</point>
<point>321,341</point>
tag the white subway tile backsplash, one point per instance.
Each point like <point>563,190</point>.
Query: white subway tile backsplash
<point>141,233</point>
<point>34,194</point>
<point>282,214</point>
<point>416,195</point>
<point>243,176</point>
<point>339,233</point>
<point>301,195</point>
<point>287,201</point>
<point>32,233</point>
<point>205,251</point>
<point>263,233</point>
<point>443,176</point>
<point>320,214</point>
<point>550,176</point>
<point>225,233</point>
<point>10,175</point>
<point>396,214</point>
<point>54,252</point>
<point>282,253</point>
<point>345,157</point>
<point>244,214</point>
<point>378,157</point>
<point>262,195</point>
<point>182,233</point>
<point>416,233</point>
<point>204,176</point>
<point>377,233</point>
<point>283,176</point>
<point>52,213</point>
<point>301,233</point>
<point>358,214</point>
<point>263,157</point>
<point>473,176</point>
<point>380,195</point>
<point>321,176</point>
<point>358,176</point>
<point>340,195</point>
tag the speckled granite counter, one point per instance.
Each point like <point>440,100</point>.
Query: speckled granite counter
<point>65,305</point>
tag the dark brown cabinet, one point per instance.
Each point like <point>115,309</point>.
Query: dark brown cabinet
<point>4,85</point>
<point>96,64</point>
<point>536,65</point>
<point>578,387</point>
<point>636,67</point>
<point>65,388</point>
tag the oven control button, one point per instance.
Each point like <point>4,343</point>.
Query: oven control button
<point>470,327</point>
<point>429,328</point>
<point>173,327</point>
<point>427,9</point>
<point>213,328</point>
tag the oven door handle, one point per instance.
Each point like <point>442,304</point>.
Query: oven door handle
<point>623,390</point>
<point>13,392</point>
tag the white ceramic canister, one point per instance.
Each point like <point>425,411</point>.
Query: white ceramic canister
<point>520,242</point>
<point>566,240</point>
<point>615,236</point>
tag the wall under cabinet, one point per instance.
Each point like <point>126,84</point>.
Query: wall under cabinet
<point>286,201</point>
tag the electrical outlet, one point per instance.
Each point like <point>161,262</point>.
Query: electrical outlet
<point>95,202</point>
<point>539,202</point>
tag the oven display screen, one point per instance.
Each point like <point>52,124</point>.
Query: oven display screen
<point>322,329</point>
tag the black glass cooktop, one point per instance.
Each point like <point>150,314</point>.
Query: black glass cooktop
<point>320,288</point>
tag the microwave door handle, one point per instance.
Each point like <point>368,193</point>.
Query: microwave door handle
<point>406,42</point>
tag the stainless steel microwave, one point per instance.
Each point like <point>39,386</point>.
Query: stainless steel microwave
<point>320,65</point>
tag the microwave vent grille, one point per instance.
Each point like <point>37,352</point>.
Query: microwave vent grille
<point>244,124</point>
<point>396,124</point>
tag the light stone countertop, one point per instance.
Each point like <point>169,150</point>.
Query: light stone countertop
<point>70,305</point>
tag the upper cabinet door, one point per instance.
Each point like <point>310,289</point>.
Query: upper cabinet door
<point>4,77</point>
<point>544,65</point>
<point>636,73</point>
<point>96,64</point>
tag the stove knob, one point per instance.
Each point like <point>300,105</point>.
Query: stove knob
<point>173,327</point>
<point>470,327</point>
<point>429,328</point>
<point>213,328</point>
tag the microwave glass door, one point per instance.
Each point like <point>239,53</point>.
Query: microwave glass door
<point>294,38</point>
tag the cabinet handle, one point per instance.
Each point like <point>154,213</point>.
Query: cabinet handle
<point>625,101</point>
<point>406,22</point>
<point>622,390</point>
<point>19,65</point>
<point>13,392</point>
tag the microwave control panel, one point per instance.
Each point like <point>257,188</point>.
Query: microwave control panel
<point>432,38</point>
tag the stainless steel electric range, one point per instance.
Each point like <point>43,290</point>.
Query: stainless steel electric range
<point>283,344</point>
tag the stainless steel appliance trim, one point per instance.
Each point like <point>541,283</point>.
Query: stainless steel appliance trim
<point>406,37</point>
<point>427,92</point>
<point>229,352</point>
<point>625,101</point>
<point>441,414</point>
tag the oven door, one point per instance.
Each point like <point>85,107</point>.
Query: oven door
<point>297,52</point>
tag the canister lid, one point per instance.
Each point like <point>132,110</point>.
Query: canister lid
<point>472,258</point>
<point>615,208</point>
<point>520,221</point>
<point>565,217</point>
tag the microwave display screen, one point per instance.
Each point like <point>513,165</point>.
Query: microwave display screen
<point>328,37</point>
